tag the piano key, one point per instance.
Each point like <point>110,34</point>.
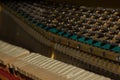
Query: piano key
<point>58,67</point>
<point>64,69</point>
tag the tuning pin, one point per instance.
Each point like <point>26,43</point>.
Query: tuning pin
<point>106,12</point>
<point>116,13</point>
<point>118,21</point>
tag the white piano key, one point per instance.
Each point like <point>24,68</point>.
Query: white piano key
<point>41,62</point>
<point>88,77</point>
<point>19,51</point>
<point>45,63</point>
<point>74,73</point>
<point>82,75</point>
<point>5,48</point>
<point>50,63</point>
<point>1,41</point>
<point>38,61</point>
<point>103,78</point>
<point>3,45</point>
<point>20,63</point>
<point>53,65</point>
<point>76,70</point>
<point>96,77</point>
<point>63,70</point>
<point>27,57</point>
<point>35,59</point>
<point>32,58</point>
<point>58,67</point>
<point>69,70</point>
<point>9,51</point>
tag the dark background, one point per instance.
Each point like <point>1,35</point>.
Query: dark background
<point>93,3</point>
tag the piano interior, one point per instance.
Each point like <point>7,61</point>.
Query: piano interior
<point>59,40</point>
